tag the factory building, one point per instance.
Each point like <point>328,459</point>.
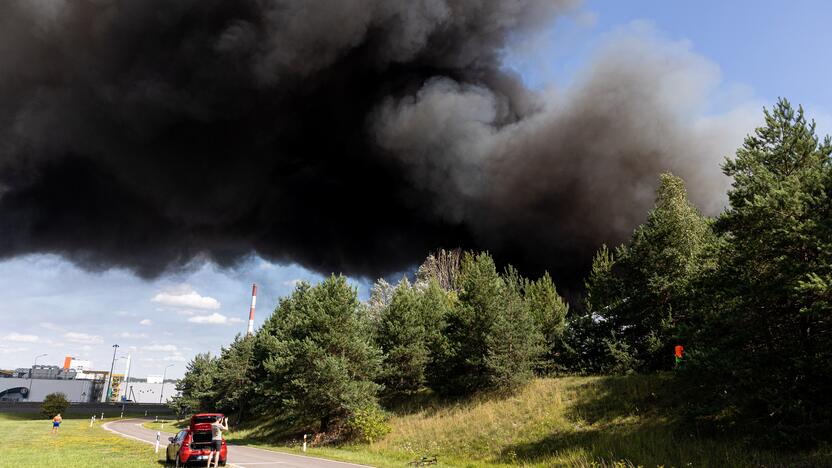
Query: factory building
<point>80,384</point>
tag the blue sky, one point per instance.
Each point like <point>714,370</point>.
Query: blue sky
<point>762,50</point>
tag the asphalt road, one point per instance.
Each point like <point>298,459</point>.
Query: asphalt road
<point>238,456</point>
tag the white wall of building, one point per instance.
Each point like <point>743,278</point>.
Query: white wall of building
<point>75,390</point>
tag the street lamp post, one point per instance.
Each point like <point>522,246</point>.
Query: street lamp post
<point>164,374</point>
<point>110,380</point>
<point>31,377</point>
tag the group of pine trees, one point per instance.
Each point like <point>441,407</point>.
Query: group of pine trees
<point>323,356</point>
<point>748,294</point>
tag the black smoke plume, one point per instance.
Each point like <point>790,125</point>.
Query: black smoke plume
<point>348,136</point>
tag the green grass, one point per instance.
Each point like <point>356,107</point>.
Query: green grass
<point>571,421</point>
<point>25,441</point>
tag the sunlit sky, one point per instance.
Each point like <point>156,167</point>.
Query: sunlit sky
<point>764,49</point>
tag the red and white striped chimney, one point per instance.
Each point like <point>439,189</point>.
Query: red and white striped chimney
<point>251,311</point>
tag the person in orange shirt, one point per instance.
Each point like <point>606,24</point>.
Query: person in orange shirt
<point>679,351</point>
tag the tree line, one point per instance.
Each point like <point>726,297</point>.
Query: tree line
<point>748,293</point>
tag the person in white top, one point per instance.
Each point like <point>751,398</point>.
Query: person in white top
<point>221,424</point>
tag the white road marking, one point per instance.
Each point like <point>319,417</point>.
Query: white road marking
<point>245,464</point>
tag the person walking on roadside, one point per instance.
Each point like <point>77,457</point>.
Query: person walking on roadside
<point>56,423</point>
<point>221,424</point>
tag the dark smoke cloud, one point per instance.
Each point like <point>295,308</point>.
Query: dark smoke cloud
<point>345,136</point>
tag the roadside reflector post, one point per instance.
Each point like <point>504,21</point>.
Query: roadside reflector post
<point>92,420</point>
<point>122,415</point>
<point>145,412</point>
<point>157,419</point>
<point>157,441</point>
<point>102,415</point>
<point>304,443</point>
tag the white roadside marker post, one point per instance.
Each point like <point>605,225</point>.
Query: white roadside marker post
<point>122,415</point>
<point>304,443</point>
<point>102,415</point>
<point>157,419</point>
<point>92,420</point>
<point>157,441</point>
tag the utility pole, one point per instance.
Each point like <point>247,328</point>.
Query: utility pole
<point>164,374</point>
<point>31,371</point>
<point>110,380</point>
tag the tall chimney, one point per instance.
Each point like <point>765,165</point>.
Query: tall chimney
<point>251,311</point>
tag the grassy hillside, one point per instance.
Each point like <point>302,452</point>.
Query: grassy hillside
<point>571,421</point>
<point>25,441</point>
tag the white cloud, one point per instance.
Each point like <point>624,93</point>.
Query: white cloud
<point>161,347</point>
<point>20,338</point>
<point>5,349</point>
<point>131,335</point>
<point>175,358</point>
<point>146,322</point>
<point>213,319</point>
<point>83,338</point>
<point>235,320</point>
<point>292,282</point>
<point>186,298</point>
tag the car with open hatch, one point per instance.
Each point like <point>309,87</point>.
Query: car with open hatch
<point>192,444</point>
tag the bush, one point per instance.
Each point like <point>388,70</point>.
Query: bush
<point>367,424</point>
<point>54,403</point>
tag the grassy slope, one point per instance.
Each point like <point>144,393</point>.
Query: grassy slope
<point>572,421</point>
<point>27,442</point>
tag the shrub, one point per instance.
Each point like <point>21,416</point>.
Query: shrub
<point>367,424</point>
<point>53,404</point>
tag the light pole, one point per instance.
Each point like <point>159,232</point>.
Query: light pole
<point>164,374</point>
<point>110,380</point>
<point>31,371</point>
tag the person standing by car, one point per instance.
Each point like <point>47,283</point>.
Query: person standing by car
<point>56,423</point>
<point>219,425</point>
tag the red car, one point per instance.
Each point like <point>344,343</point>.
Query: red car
<point>193,445</point>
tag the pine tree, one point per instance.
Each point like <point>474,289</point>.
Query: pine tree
<point>492,338</point>
<point>514,341</point>
<point>318,362</point>
<point>549,312</point>
<point>642,293</point>
<point>768,333</point>
<point>232,384</point>
<point>409,332</point>
<point>198,392</point>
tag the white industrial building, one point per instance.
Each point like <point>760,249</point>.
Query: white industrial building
<point>80,384</point>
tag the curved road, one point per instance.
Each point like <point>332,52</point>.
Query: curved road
<point>238,456</point>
